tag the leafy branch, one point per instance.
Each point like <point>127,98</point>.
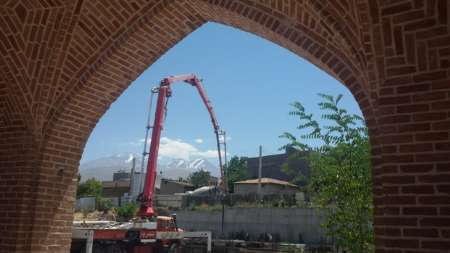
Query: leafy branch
<point>340,170</point>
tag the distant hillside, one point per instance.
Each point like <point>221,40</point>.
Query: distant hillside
<point>103,168</point>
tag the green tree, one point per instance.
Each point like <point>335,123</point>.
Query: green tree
<point>199,178</point>
<point>90,187</point>
<point>236,171</point>
<point>341,180</point>
<point>127,211</point>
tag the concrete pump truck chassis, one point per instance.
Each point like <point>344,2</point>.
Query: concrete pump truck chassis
<point>148,233</point>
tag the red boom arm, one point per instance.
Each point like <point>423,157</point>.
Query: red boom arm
<point>164,91</point>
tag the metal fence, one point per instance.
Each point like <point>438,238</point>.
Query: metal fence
<point>275,200</point>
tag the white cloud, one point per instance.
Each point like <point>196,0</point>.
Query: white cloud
<point>208,154</point>
<point>130,158</point>
<point>177,148</point>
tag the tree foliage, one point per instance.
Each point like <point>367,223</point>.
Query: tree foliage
<point>103,204</point>
<point>296,167</point>
<point>341,174</point>
<point>89,188</point>
<point>127,211</point>
<point>236,171</point>
<point>199,178</point>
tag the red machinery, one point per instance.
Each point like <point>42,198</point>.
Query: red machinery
<point>164,92</point>
<point>149,233</point>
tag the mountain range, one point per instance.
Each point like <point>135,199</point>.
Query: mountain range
<point>173,168</point>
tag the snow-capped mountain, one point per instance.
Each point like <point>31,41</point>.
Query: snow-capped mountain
<point>177,168</point>
<point>120,160</point>
<point>193,165</point>
<point>103,168</point>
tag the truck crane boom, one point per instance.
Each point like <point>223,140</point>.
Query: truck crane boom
<point>164,92</point>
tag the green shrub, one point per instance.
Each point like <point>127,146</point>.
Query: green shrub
<point>104,205</point>
<point>127,211</point>
<point>90,187</point>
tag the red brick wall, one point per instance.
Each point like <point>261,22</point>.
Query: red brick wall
<point>64,62</point>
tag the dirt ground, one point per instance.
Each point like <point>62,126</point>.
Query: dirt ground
<point>93,216</point>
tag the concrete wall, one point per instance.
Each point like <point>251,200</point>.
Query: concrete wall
<point>289,223</point>
<point>176,201</point>
<point>85,203</point>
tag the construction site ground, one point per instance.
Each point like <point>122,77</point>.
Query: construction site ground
<point>94,216</point>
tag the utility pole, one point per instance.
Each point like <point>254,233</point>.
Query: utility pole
<point>259,172</point>
<point>225,148</point>
<point>133,168</point>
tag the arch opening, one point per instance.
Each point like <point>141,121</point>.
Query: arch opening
<point>208,81</point>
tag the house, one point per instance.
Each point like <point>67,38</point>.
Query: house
<point>169,186</point>
<point>272,166</point>
<point>115,189</point>
<point>121,175</point>
<point>269,186</point>
<point>126,186</point>
<point>119,187</point>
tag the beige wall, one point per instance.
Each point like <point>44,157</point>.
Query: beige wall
<point>266,189</point>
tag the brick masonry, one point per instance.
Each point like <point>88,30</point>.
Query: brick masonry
<point>64,62</point>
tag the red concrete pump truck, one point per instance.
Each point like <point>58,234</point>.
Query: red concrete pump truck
<point>148,233</point>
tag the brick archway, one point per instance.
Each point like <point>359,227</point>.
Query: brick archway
<point>63,64</point>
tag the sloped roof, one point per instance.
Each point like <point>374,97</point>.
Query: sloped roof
<point>266,180</point>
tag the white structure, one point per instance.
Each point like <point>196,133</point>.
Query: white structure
<point>137,184</point>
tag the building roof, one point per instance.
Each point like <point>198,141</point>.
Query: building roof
<point>266,180</point>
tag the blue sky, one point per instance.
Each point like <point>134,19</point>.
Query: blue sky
<point>250,81</point>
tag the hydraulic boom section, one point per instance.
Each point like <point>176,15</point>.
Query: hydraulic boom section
<point>164,92</point>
